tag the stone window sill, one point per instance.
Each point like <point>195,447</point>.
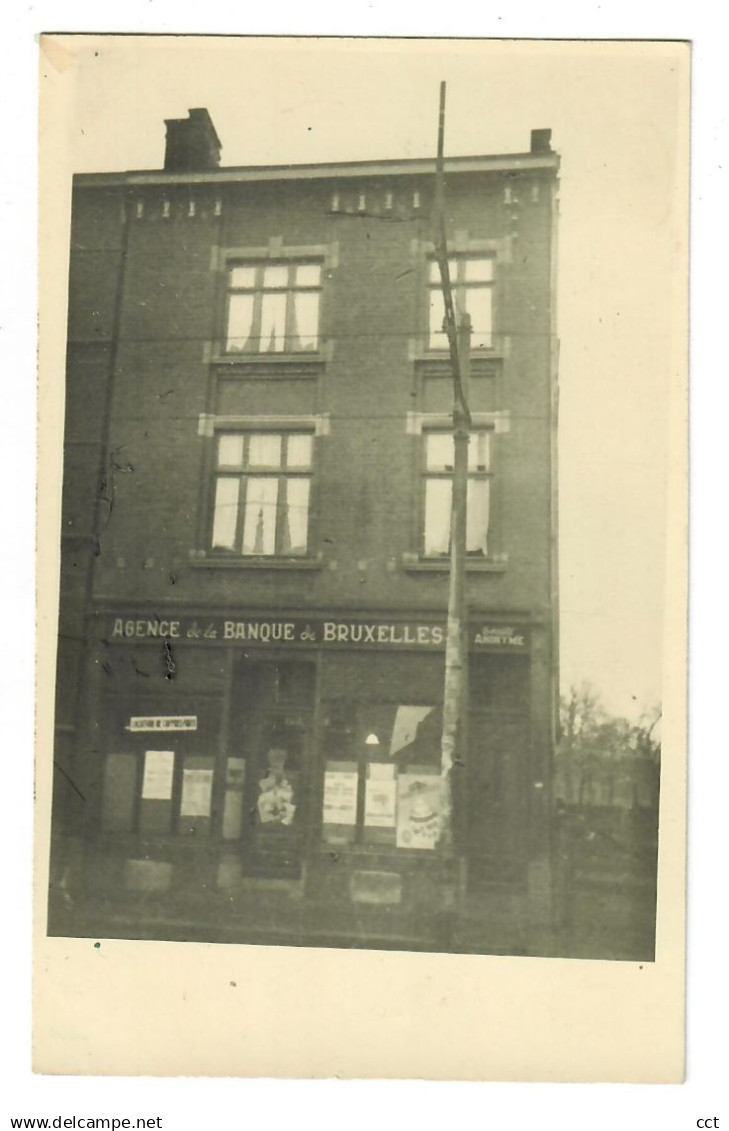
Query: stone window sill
<point>414,564</point>
<point>357,851</point>
<point>268,360</point>
<point>201,561</point>
<point>478,356</point>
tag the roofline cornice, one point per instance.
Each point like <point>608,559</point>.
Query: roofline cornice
<point>506,163</point>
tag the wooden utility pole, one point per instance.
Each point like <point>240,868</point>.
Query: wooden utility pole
<point>455,688</point>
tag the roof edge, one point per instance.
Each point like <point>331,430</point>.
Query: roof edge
<point>510,162</point>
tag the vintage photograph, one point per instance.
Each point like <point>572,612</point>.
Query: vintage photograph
<point>371,364</point>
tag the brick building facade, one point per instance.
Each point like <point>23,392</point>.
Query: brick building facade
<point>255,549</point>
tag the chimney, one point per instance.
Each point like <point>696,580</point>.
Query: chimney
<point>192,144</point>
<point>541,141</point>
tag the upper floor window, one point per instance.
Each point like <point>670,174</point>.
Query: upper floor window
<point>438,474</point>
<point>273,307</point>
<point>472,282</point>
<point>261,496</point>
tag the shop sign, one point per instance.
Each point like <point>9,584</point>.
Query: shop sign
<point>426,634</point>
<point>162,722</point>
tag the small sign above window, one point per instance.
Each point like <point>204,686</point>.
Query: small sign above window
<point>162,722</point>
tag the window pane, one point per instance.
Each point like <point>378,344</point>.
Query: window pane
<point>243,277</point>
<point>226,513</point>
<point>240,322</point>
<point>479,270</point>
<point>264,450</point>
<point>120,787</point>
<point>259,527</point>
<point>479,454</point>
<point>305,320</point>
<point>308,275</point>
<point>230,451</point>
<point>437,516</point>
<point>273,323</point>
<point>434,272</point>
<point>478,304</point>
<point>478,516</point>
<point>439,451</point>
<point>408,728</point>
<point>298,450</point>
<point>437,338</point>
<point>275,276</point>
<point>295,520</point>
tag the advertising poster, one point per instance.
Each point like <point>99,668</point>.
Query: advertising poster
<point>159,767</point>
<point>418,810</point>
<point>380,796</point>
<point>197,791</point>
<point>340,797</point>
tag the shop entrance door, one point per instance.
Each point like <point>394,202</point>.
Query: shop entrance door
<point>270,730</point>
<point>496,802</point>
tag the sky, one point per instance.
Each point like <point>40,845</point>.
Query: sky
<point>618,118</point>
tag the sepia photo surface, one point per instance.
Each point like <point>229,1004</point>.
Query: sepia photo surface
<point>363,379</point>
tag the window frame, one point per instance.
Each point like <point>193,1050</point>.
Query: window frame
<point>252,347</point>
<point>478,474</point>
<point>460,287</point>
<point>243,474</point>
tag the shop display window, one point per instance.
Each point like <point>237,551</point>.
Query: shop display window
<point>381,777</point>
<point>159,780</point>
<point>119,797</point>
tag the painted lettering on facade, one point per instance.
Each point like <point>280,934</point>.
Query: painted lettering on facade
<point>500,636</point>
<point>265,631</point>
<point>411,635</point>
<point>423,634</point>
<point>145,629</point>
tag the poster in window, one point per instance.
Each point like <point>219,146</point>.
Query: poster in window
<point>418,810</point>
<point>197,792</point>
<point>159,767</point>
<point>340,797</point>
<point>380,796</point>
<point>275,803</point>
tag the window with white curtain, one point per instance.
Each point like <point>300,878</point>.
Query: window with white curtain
<point>261,493</point>
<point>273,307</point>
<point>472,283</point>
<point>438,489</point>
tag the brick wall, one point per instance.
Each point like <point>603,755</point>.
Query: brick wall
<point>373,310</point>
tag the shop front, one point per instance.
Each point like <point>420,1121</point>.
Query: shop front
<point>280,776</point>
